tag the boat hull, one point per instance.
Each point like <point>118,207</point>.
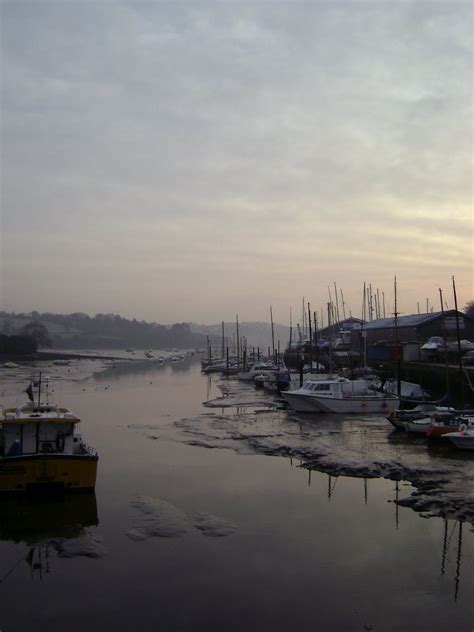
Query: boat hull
<point>70,472</point>
<point>351,406</point>
<point>465,443</point>
<point>358,405</point>
<point>301,403</point>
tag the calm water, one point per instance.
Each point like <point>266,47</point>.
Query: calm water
<point>295,550</point>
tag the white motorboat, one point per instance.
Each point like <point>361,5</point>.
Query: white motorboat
<point>340,395</point>
<point>464,438</point>
<point>261,368</point>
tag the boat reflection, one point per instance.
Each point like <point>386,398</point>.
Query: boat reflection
<point>31,519</point>
<point>44,524</point>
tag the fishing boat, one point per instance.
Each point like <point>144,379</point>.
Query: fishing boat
<point>399,418</point>
<point>41,447</point>
<point>464,438</point>
<point>340,395</point>
<point>444,421</point>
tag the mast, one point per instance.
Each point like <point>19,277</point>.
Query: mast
<point>303,317</point>
<point>330,342</point>
<point>273,334</point>
<point>458,334</point>
<point>397,351</point>
<point>238,339</point>
<point>291,330</point>
<point>310,339</point>
<point>223,339</point>
<point>315,315</point>
<point>445,342</point>
<point>39,390</point>
<point>337,302</point>
<point>343,305</point>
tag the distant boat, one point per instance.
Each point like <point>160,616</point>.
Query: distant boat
<point>130,350</point>
<point>62,362</point>
<point>261,368</point>
<point>11,365</point>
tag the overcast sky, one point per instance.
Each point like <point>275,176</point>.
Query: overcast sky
<point>178,161</point>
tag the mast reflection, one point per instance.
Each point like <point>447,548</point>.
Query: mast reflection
<point>444,557</point>
<point>42,523</point>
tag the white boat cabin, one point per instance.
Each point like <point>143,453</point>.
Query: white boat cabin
<point>44,429</point>
<point>338,388</point>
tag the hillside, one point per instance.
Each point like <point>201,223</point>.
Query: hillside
<point>104,331</point>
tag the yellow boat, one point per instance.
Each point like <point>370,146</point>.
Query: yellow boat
<point>41,447</point>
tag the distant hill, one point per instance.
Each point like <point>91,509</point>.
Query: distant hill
<point>258,334</point>
<point>104,331</point>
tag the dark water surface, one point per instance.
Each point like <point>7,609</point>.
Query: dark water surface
<point>180,537</point>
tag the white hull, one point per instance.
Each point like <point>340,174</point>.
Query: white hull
<point>465,443</point>
<point>463,439</point>
<point>301,403</point>
<point>419,427</point>
<point>347,405</point>
<point>357,405</point>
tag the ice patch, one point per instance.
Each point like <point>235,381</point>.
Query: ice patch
<point>88,544</point>
<point>237,394</point>
<point>213,526</point>
<point>157,518</point>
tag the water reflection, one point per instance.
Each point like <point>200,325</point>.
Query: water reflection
<point>451,542</point>
<point>122,369</point>
<point>447,543</point>
<point>30,519</point>
<point>46,525</point>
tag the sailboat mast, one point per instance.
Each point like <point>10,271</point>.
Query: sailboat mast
<point>273,333</point>
<point>291,330</point>
<point>238,339</point>
<point>458,334</point>
<point>445,341</point>
<point>310,339</point>
<point>397,350</point>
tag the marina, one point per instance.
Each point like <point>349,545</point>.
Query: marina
<point>276,490</point>
<point>236,317</point>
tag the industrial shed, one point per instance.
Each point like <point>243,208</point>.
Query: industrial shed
<point>419,327</point>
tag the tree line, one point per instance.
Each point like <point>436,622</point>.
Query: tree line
<point>79,330</point>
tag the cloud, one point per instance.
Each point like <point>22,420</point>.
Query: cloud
<point>187,143</point>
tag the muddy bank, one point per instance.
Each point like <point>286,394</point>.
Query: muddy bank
<point>357,446</point>
<point>49,356</point>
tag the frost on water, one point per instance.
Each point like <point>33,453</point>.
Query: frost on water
<point>88,544</point>
<point>213,526</point>
<point>159,518</point>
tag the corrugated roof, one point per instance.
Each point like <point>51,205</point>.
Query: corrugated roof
<point>412,320</point>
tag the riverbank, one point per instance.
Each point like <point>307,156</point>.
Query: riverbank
<point>50,356</point>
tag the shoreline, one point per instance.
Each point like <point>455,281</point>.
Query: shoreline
<point>51,356</point>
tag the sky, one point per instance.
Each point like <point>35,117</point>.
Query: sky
<point>187,161</point>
